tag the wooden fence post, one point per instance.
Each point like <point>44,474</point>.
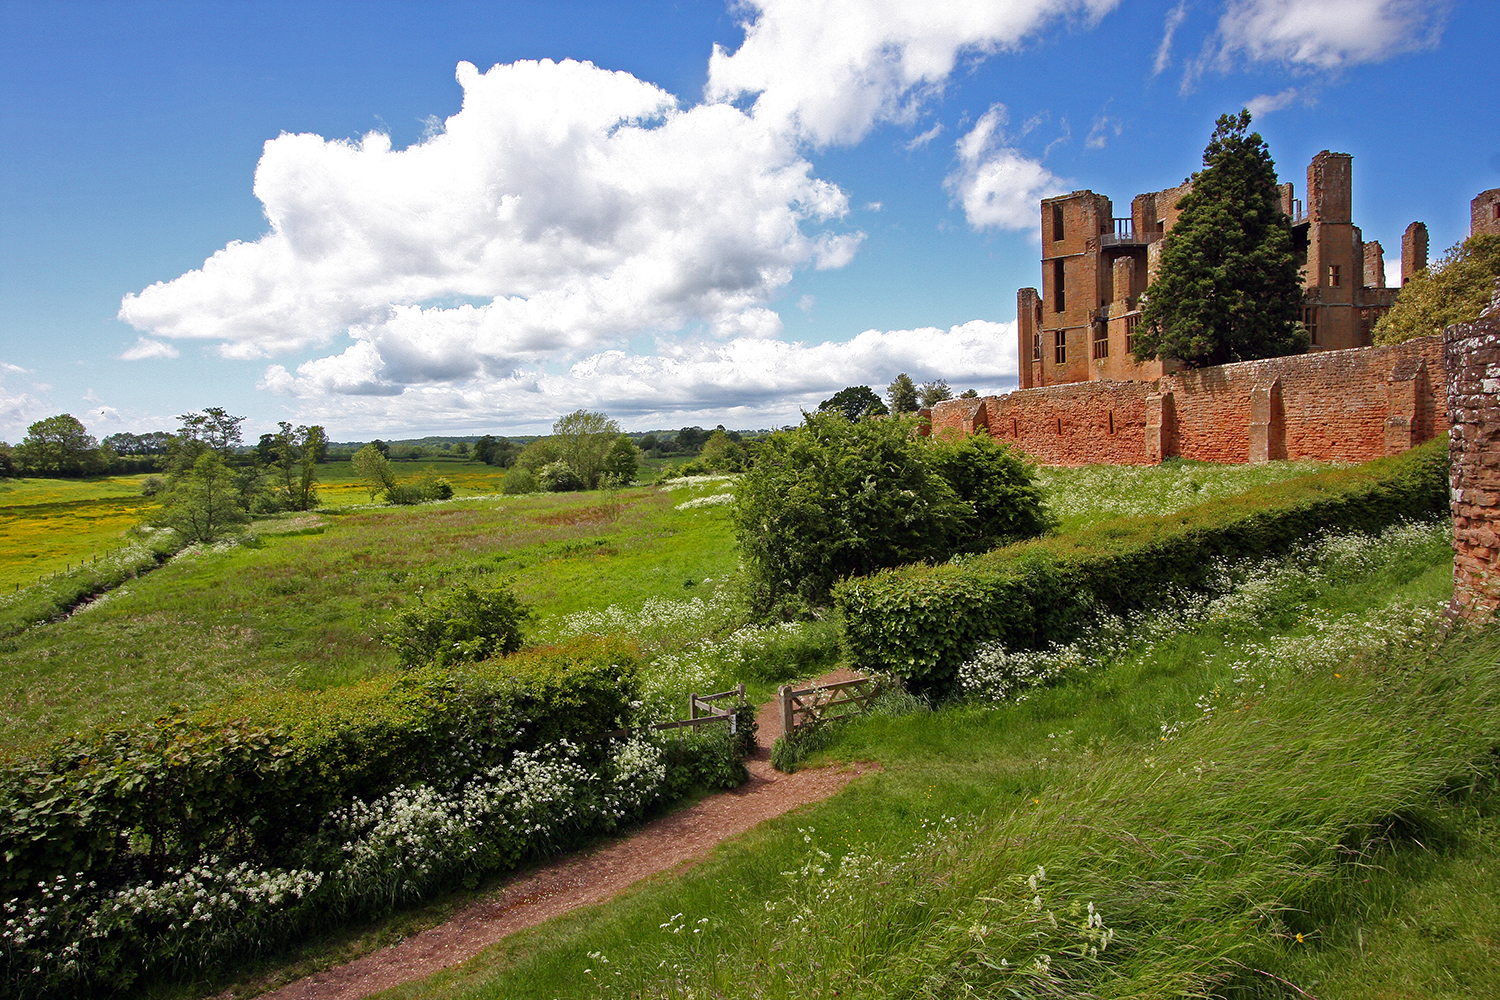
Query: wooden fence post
<point>785,695</point>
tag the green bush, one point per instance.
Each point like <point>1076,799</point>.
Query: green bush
<point>922,622</point>
<point>434,487</point>
<point>464,624</point>
<point>559,477</point>
<point>999,483</point>
<point>256,778</point>
<point>835,498</point>
<point>518,479</point>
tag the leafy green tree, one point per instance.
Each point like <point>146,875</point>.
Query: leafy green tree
<point>463,625</point>
<point>7,461</point>
<point>934,392</point>
<point>58,446</point>
<point>690,439</point>
<point>623,462</point>
<point>969,394</point>
<point>292,454</point>
<point>722,452</point>
<point>542,451</point>
<point>855,402</point>
<point>999,484</point>
<point>1454,290</point>
<point>375,469</point>
<point>129,445</point>
<point>205,504</point>
<point>518,479</point>
<point>212,429</point>
<point>902,394</point>
<point>1227,289</point>
<point>584,440</point>
<point>835,498</point>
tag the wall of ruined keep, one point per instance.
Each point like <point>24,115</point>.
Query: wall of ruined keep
<point>1351,405</point>
<point>1484,212</point>
<point>1473,364</point>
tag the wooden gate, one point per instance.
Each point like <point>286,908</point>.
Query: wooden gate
<point>805,706</point>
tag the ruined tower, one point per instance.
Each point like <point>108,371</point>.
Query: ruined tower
<point>1413,250</point>
<point>1484,212</point>
<point>1095,268</point>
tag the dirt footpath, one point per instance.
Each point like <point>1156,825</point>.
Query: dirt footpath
<point>586,878</point>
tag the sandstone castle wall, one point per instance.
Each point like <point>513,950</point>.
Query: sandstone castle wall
<point>1473,360</point>
<point>1350,405</point>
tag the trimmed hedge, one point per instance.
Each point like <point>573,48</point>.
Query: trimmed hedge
<point>921,622</point>
<point>257,778</point>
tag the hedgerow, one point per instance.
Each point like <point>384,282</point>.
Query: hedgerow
<point>921,622</point>
<point>316,806</point>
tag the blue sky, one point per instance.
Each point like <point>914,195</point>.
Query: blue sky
<point>399,219</point>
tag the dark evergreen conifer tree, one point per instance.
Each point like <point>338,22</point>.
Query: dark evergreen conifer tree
<point>1227,289</point>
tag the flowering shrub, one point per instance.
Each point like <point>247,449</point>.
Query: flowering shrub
<point>74,935</point>
<point>256,777</point>
<point>923,622</point>
<point>1238,595</point>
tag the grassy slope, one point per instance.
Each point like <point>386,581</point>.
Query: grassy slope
<point>1348,801</point>
<point>303,608</point>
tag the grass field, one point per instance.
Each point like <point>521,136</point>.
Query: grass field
<point>1290,795</point>
<point>48,524</point>
<point>1298,805</point>
<point>303,605</point>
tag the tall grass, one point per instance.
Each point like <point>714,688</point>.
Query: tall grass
<point>1150,828</point>
<point>299,604</point>
<point>1092,494</point>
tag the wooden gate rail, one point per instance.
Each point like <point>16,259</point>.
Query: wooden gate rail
<point>805,706</point>
<point>702,711</point>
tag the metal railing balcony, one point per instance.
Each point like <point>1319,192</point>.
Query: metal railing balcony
<point>1124,233</point>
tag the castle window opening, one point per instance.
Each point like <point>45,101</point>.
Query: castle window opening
<point>1036,347</point>
<point>1333,276</point>
<point>1060,347</point>
<point>1131,323</point>
<point>1101,341</point>
<point>1057,286</point>
<point>1015,427</point>
<point>1111,421</point>
<point>1310,321</point>
<point>1057,223</point>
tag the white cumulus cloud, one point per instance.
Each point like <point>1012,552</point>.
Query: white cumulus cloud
<point>829,70</point>
<point>145,347</point>
<point>747,381</point>
<point>1327,34</point>
<point>998,186</point>
<point>563,208</point>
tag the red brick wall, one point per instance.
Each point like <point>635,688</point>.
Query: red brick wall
<point>1473,359</point>
<point>1350,406</point>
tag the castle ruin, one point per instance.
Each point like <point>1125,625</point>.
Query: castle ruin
<point>1095,266</point>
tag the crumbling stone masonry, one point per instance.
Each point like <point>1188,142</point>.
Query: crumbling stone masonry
<point>1473,361</point>
<point>1484,212</point>
<point>1351,405</point>
<point>1080,324</point>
